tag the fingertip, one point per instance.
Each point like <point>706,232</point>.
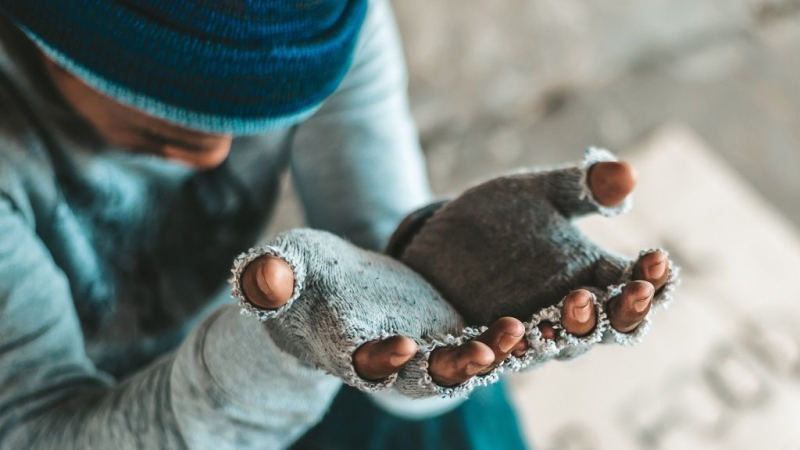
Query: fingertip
<point>478,353</point>
<point>453,365</point>
<point>547,330</point>
<point>578,305</point>
<point>377,360</point>
<point>276,280</point>
<point>578,315</point>
<point>611,181</point>
<point>361,359</point>
<point>581,296</point>
<point>520,349</point>
<point>402,349</point>
<point>652,267</point>
<point>263,282</point>
<point>631,306</point>
<point>473,369</point>
<point>639,289</point>
<point>510,325</point>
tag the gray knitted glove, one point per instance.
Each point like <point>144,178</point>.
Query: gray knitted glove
<point>345,296</point>
<point>504,248</point>
<point>508,247</point>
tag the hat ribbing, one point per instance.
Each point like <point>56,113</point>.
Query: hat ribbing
<point>228,66</point>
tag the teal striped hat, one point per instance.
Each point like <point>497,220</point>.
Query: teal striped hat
<point>223,66</point>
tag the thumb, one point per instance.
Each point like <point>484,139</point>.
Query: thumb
<point>268,282</point>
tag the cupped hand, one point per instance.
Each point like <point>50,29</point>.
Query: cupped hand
<point>268,283</point>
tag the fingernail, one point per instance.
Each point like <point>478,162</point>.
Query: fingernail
<point>263,281</point>
<point>276,280</point>
<point>507,342</point>
<point>582,310</point>
<point>642,304</point>
<point>473,369</point>
<point>657,270</point>
<point>397,360</point>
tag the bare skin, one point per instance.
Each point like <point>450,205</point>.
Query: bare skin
<point>268,282</point>
<point>610,183</point>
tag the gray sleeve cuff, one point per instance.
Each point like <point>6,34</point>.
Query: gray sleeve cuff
<point>231,383</point>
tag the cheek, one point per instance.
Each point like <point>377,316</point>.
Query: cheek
<point>102,114</point>
<point>116,133</point>
<point>204,160</point>
<point>110,120</point>
<point>118,124</point>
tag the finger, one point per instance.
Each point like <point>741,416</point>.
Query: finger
<point>627,310</point>
<point>454,365</point>
<point>578,314</point>
<point>268,282</point>
<point>502,337</point>
<point>520,349</point>
<point>547,329</point>
<point>377,360</point>
<point>611,181</point>
<point>653,268</point>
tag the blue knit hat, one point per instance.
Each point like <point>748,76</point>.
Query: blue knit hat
<point>226,66</point>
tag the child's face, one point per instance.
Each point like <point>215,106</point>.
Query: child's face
<point>133,130</point>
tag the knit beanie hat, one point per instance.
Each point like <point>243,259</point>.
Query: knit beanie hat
<point>225,66</point>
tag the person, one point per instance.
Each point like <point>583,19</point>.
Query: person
<point>142,146</point>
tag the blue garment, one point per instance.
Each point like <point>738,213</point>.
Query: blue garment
<point>485,422</point>
<point>116,329</point>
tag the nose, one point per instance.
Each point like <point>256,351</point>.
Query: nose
<point>203,159</point>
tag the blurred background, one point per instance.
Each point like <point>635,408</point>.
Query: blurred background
<point>704,98</point>
<point>500,84</point>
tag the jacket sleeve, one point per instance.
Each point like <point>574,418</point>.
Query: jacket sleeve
<point>357,162</point>
<point>227,386</point>
<point>358,166</point>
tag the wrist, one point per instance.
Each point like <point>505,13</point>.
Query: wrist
<point>410,226</point>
